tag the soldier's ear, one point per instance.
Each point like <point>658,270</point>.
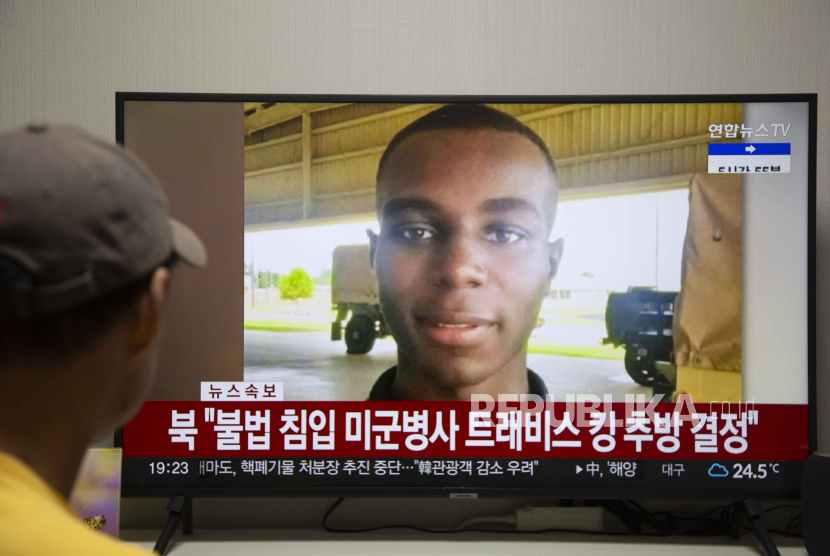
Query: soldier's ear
<point>373,246</point>
<point>555,249</point>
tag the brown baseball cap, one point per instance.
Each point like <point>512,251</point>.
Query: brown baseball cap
<point>80,217</point>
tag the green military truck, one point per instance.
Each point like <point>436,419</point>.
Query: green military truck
<point>354,295</point>
<point>641,321</point>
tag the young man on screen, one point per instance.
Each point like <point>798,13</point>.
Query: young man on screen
<point>466,199</point>
<point>85,250</point>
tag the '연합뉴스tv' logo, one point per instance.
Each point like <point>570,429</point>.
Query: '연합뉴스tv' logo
<point>759,157</point>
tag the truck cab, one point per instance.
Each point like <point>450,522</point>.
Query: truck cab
<point>354,296</point>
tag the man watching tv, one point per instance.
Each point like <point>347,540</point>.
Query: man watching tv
<point>466,198</point>
<point>85,253</point>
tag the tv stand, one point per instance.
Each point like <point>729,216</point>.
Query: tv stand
<point>180,510</point>
<point>752,508</point>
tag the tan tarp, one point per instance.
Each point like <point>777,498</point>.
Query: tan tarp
<point>707,322</point>
<point>706,386</point>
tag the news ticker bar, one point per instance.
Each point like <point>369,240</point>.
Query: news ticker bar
<point>462,473</point>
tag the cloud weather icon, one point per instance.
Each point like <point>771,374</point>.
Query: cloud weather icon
<point>717,470</point>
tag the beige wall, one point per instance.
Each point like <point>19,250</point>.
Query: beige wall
<point>63,61</point>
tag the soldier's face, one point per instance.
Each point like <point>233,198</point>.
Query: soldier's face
<point>462,259</point>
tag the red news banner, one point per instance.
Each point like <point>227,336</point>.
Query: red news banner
<point>457,430</point>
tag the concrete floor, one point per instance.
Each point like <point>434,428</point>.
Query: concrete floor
<point>313,368</point>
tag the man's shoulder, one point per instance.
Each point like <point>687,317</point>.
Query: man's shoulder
<point>82,542</point>
<point>535,385</point>
<point>33,523</point>
<point>56,533</point>
<point>382,388</point>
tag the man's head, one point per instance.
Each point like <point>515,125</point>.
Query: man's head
<point>85,250</point>
<point>466,200</point>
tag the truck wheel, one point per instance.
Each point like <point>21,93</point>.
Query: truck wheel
<point>360,335</point>
<point>641,369</point>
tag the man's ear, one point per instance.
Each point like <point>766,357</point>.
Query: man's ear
<point>555,249</point>
<point>148,313</point>
<point>373,246</point>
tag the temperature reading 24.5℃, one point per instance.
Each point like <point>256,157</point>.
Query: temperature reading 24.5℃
<point>758,471</point>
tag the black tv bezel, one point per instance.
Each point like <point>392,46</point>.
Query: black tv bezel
<point>584,493</point>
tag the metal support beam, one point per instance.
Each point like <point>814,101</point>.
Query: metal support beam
<point>657,146</point>
<point>281,112</point>
<point>306,164</point>
<point>555,111</point>
<point>272,142</point>
<point>374,117</point>
<point>328,207</point>
<point>635,187</point>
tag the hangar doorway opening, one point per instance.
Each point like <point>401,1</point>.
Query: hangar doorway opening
<point>612,244</point>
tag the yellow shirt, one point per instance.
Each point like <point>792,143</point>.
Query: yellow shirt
<point>35,520</point>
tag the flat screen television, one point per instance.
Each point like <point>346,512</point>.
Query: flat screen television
<point>581,297</point>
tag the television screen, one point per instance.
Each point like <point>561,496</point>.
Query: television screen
<point>582,297</point>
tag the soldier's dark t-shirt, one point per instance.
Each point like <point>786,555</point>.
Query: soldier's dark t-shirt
<point>382,389</point>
